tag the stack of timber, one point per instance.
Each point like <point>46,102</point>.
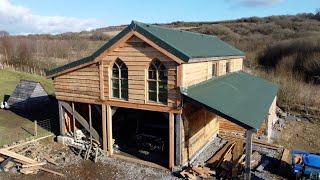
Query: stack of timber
<point>197,172</point>
<point>229,161</point>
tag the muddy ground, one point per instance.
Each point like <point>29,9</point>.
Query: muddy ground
<point>74,167</point>
<point>301,134</point>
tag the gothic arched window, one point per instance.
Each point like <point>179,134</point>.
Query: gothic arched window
<point>157,82</point>
<point>119,80</point>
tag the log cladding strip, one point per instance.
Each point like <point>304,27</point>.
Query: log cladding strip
<point>82,84</point>
<point>78,91</point>
<point>62,84</point>
<point>64,94</point>
<point>137,56</point>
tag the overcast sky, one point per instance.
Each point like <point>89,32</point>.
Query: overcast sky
<point>57,16</point>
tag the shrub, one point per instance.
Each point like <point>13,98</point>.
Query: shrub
<point>303,56</point>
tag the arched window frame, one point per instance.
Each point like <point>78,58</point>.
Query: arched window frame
<point>157,82</point>
<point>119,80</point>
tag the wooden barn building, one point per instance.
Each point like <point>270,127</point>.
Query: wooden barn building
<point>174,88</point>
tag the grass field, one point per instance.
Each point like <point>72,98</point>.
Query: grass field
<point>14,128</point>
<point>10,78</point>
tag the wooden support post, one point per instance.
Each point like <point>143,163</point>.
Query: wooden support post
<point>104,128</point>
<point>73,121</point>
<point>109,130</point>
<point>90,122</point>
<point>35,128</point>
<point>171,140</point>
<point>61,119</point>
<point>178,141</point>
<point>247,170</point>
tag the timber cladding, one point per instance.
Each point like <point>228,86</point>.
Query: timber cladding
<point>194,73</point>
<point>83,85</point>
<point>200,126</point>
<point>227,127</point>
<point>137,55</point>
<point>79,84</point>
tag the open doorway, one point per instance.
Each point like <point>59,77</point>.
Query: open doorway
<point>141,134</point>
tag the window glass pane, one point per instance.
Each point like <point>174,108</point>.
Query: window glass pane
<point>152,96</point>
<point>152,74</point>
<point>119,62</point>
<point>163,75</point>
<point>124,94</point>
<point>124,83</point>
<point>115,93</point>
<point>151,67</point>
<point>163,97</point>
<point>157,63</point>
<point>115,83</point>
<point>214,71</point>
<point>163,86</point>
<point>228,67</point>
<point>115,72</point>
<point>152,85</point>
<point>124,73</point>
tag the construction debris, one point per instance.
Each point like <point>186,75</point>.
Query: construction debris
<point>228,161</point>
<point>197,172</point>
<point>26,157</point>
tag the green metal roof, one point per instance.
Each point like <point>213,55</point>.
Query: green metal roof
<point>240,97</point>
<point>183,44</point>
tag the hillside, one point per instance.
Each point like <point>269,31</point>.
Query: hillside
<point>284,49</point>
<point>9,79</point>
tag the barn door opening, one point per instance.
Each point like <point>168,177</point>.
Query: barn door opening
<point>141,134</point>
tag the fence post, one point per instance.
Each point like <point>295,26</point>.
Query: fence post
<point>35,128</point>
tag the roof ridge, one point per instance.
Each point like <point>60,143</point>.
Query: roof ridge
<point>181,30</point>
<point>177,49</point>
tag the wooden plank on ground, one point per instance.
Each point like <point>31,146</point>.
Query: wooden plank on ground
<point>217,159</point>
<point>286,156</point>
<point>34,165</point>
<point>17,156</point>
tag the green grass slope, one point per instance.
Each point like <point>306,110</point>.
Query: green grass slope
<point>9,80</point>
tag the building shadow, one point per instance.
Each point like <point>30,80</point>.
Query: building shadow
<point>43,109</point>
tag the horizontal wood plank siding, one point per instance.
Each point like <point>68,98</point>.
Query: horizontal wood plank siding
<point>80,84</point>
<point>227,127</point>
<point>137,55</point>
<point>194,73</point>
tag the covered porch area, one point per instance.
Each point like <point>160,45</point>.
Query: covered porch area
<point>240,98</point>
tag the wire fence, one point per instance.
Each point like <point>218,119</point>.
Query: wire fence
<point>29,131</point>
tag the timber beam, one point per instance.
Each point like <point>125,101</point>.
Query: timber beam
<point>247,170</point>
<point>109,130</point>
<point>171,141</point>
<point>178,139</point>
<point>61,119</point>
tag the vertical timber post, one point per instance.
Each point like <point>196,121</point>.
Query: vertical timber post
<point>73,121</point>
<point>90,123</point>
<point>109,130</point>
<point>171,140</point>
<point>178,149</point>
<point>247,170</point>
<point>61,119</point>
<point>104,127</point>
